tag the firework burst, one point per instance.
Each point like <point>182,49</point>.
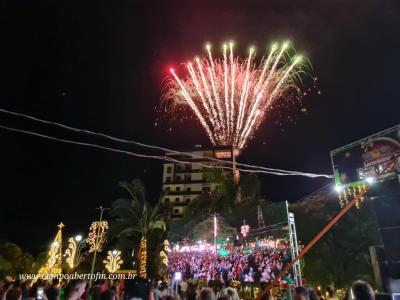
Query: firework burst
<point>231,96</point>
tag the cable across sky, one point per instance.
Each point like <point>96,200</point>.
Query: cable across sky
<point>251,168</point>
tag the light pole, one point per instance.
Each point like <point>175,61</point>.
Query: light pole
<point>97,238</point>
<point>215,232</point>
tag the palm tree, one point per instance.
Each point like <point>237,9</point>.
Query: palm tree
<point>135,216</point>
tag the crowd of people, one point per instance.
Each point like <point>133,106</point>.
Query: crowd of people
<point>205,273</point>
<point>254,263</point>
<point>141,289</point>
<point>54,290</point>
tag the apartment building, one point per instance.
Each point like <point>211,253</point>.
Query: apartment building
<point>183,180</point>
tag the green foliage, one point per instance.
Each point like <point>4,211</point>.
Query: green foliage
<point>14,261</point>
<point>134,217</point>
<point>223,201</point>
<point>342,255</point>
<point>224,198</point>
<point>250,187</point>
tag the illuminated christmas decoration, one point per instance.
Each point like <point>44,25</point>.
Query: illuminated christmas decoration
<point>350,192</point>
<point>97,236</point>
<point>164,253</point>
<point>54,256</point>
<point>113,261</point>
<point>74,255</point>
<point>244,230</point>
<point>143,258</point>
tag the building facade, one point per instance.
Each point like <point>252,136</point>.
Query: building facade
<point>183,180</point>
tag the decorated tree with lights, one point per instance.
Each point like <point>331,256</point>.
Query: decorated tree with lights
<point>53,264</point>
<point>350,238</point>
<point>137,217</point>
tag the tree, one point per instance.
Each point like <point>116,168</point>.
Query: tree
<point>14,261</point>
<point>136,217</point>
<point>250,187</point>
<point>341,256</point>
<point>223,198</point>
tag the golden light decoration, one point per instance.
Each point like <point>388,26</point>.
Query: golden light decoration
<point>53,254</point>
<point>97,236</point>
<point>113,261</point>
<point>74,254</point>
<point>54,260</point>
<point>163,253</point>
<point>351,192</point>
<point>143,258</point>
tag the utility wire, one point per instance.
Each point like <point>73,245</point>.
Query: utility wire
<point>259,169</point>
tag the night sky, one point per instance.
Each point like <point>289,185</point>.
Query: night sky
<point>99,65</point>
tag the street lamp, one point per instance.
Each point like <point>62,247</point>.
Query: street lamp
<point>74,252</point>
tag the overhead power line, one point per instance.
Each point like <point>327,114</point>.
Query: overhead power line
<point>258,169</point>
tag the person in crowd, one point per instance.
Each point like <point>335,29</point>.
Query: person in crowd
<point>230,291</point>
<point>97,290</point>
<point>362,291</point>
<point>14,293</point>
<point>53,291</point>
<point>36,292</point>
<point>301,293</point>
<point>75,289</point>
<point>312,294</point>
<point>225,297</point>
<point>108,294</point>
<point>156,292</point>
<point>183,288</point>
<point>138,288</point>
<point>25,288</point>
<point>207,294</point>
<point>191,295</point>
<point>331,293</point>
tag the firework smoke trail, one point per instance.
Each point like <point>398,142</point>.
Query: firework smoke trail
<point>231,96</point>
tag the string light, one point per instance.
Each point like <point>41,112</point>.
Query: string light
<point>352,192</point>
<point>97,236</point>
<point>113,261</point>
<point>164,253</point>
<point>53,265</point>
<point>73,254</point>
<point>143,258</point>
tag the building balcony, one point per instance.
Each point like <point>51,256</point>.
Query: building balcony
<point>177,216</point>
<point>187,170</point>
<point>185,181</point>
<point>180,193</point>
<point>179,204</point>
